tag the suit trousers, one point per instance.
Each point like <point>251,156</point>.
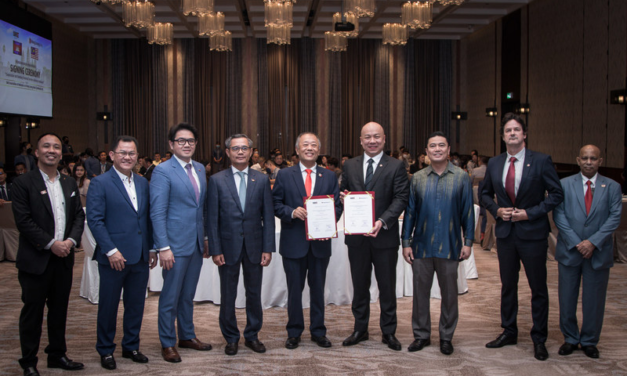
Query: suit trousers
<point>511,251</point>
<point>594,290</point>
<point>314,269</point>
<point>362,258</point>
<point>176,301</point>
<point>229,279</point>
<point>133,280</point>
<point>52,289</point>
<point>446,271</point>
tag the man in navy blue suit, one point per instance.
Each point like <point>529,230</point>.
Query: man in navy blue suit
<point>520,179</point>
<point>240,226</point>
<point>303,258</point>
<point>178,188</point>
<point>118,205</point>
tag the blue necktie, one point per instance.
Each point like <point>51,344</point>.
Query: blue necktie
<point>242,189</point>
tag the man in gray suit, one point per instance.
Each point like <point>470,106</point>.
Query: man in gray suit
<point>240,226</point>
<point>586,219</point>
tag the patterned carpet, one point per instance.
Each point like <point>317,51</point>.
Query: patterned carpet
<point>478,324</point>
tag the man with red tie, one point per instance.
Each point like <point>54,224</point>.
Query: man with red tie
<point>520,179</point>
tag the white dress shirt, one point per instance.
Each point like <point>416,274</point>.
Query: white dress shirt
<point>375,164</point>
<point>129,185</point>
<point>238,179</point>
<point>303,173</point>
<point>57,202</point>
<point>585,183</point>
<point>518,166</point>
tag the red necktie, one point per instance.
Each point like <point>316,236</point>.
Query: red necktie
<point>510,181</point>
<point>308,183</point>
<point>588,197</point>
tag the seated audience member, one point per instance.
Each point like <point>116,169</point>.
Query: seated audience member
<point>254,159</point>
<point>63,169</point>
<point>80,174</point>
<point>25,157</point>
<point>70,166</point>
<point>156,159</point>
<point>149,165</point>
<point>345,157</point>
<point>419,164</point>
<point>294,159</point>
<point>5,187</point>
<point>278,160</point>
<point>478,173</point>
<point>274,170</point>
<point>474,160</point>
<point>20,169</point>
<point>168,155</point>
<point>332,164</point>
<point>260,165</point>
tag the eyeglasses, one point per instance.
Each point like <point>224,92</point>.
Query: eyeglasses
<point>236,149</point>
<point>125,154</point>
<point>182,141</point>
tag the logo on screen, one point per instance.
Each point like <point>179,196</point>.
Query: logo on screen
<point>34,53</point>
<point>17,48</point>
<point>16,34</point>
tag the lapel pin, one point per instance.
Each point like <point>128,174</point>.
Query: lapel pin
<point>319,175</point>
<point>602,185</point>
<point>528,164</point>
<point>381,165</point>
<point>43,192</point>
<point>252,179</point>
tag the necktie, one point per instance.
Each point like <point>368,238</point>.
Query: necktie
<point>188,167</point>
<point>588,197</point>
<point>242,189</point>
<point>510,181</point>
<point>3,193</point>
<point>308,183</point>
<point>369,174</point>
<point>102,169</point>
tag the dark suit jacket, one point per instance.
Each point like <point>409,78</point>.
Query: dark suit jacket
<point>113,220</point>
<point>8,187</point>
<point>288,193</point>
<point>148,172</point>
<point>391,195</point>
<point>538,177</point>
<point>108,166</point>
<point>35,221</point>
<point>92,167</point>
<point>229,228</point>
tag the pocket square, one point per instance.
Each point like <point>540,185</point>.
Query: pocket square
<point>73,194</point>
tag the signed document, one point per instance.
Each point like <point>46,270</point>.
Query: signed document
<point>320,222</point>
<point>358,213</point>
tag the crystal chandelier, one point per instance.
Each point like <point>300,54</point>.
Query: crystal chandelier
<point>221,42</point>
<point>279,34</point>
<point>361,8</point>
<point>417,15</point>
<point>160,33</point>
<point>278,12</point>
<point>197,7</point>
<point>211,24</point>
<point>337,17</point>
<point>450,2</point>
<point>395,34</point>
<point>139,14</point>
<point>335,42</point>
<point>112,2</point>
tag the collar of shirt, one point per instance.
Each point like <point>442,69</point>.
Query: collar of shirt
<point>123,177</point>
<point>235,170</point>
<point>376,159</point>
<point>429,169</point>
<point>519,156</point>
<point>47,178</point>
<point>303,168</point>
<point>592,179</point>
<point>183,163</point>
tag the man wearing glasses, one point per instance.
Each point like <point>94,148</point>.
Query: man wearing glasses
<point>177,195</point>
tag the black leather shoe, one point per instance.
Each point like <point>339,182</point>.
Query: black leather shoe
<point>355,338</point>
<point>539,351</point>
<point>321,341</point>
<point>502,340</point>
<point>391,341</point>
<point>292,342</point>
<point>591,351</point>
<point>107,361</point>
<point>31,371</point>
<point>256,346</point>
<point>419,344</point>
<point>567,348</point>
<point>231,348</point>
<point>446,347</point>
<point>65,363</point>
<point>135,356</point>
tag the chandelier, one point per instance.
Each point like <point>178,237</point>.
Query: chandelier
<point>221,42</point>
<point>197,7</point>
<point>278,12</point>
<point>139,14</point>
<point>279,34</point>
<point>335,42</point>
<point>112,2</point>
<point>417,15</point>
<point>350,17</point>
<point>395,34</point>
<point>160,33</point>
<point>361,8</point>
<point>211,24</point>
<point>450,2</point>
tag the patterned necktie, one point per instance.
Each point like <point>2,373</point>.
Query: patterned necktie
<point>188,167</point>
<point>510,181</point>
<point>242,189</point>
<point>3,193</point>
<point>369,173</point>
<point>588,197</point>
<point>308,183</point>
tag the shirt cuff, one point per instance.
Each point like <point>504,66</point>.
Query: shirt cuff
<point>73,241</point>
<point>385,226</point>
<point>407,242</point>
<point>468,242</point>
<point>293,213</point>
<point>49,245</point>
<point>153,251</point>
<point>163,249</point>
<point>206,238</point>
<point>112,252</point>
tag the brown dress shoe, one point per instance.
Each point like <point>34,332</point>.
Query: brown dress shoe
<point>170,354</point>
<point>195,344</point>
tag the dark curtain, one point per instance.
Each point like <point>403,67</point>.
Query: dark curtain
<point>334,102</point>
<point>263,130</point>
<point>189,78</point>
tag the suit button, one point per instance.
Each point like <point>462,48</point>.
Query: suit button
<point>139,232</point>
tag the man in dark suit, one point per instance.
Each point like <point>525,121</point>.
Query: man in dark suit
<point>118,215</point>
<point>103,165</point>
<point>5,187</point>
<point>520,179</point>
<point>387,177</point>
<point>177,209</point>
<point>148,167</point>
<point>303,258</point>
<point>240,226</point>
<point>50,218</point>
<point>586,220</point>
